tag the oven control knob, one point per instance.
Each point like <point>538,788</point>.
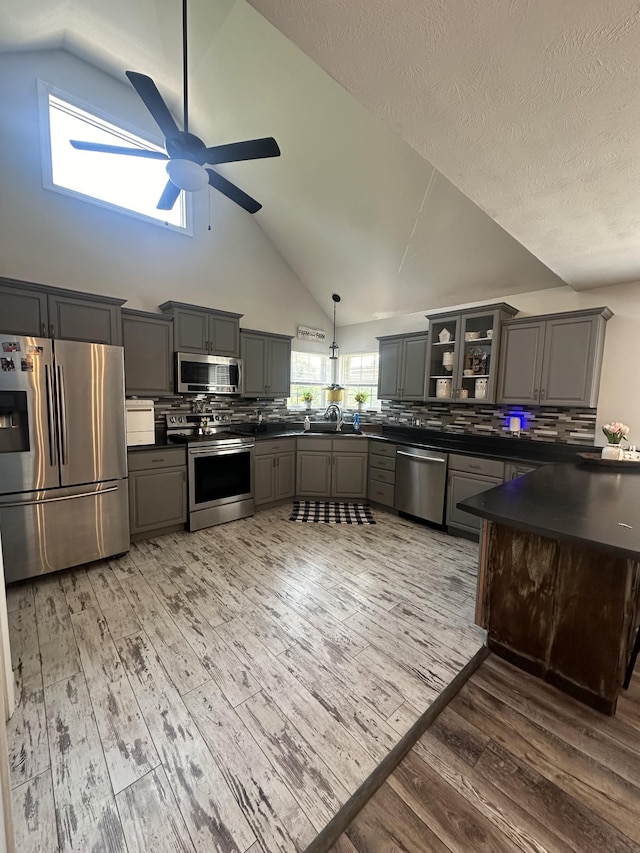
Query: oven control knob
<point>172,420</point>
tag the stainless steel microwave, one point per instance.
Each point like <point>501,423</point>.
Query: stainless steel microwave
<point>207,374</point>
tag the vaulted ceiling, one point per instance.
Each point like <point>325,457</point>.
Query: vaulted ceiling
<point>527,108</point>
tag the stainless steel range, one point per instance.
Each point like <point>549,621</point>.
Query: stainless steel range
<point>219,468</point>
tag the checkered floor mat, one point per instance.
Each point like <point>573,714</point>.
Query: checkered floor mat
<point>331,512</point>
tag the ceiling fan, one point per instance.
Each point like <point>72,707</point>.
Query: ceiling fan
<point>186,154</point>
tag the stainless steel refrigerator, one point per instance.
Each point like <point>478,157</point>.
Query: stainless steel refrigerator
<point>63,462</point>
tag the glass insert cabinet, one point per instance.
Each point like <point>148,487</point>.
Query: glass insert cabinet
<point>462,361</point>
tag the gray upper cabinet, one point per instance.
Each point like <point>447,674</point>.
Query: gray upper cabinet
<point>75,319</point>
<point>553,360</point>
<point>203,330</point>
<point>48,312</point>
<point>402,367</point>
<point>23,311</point>
<point>148,354</point>
<point>462,363</point>
<point>266,364</point>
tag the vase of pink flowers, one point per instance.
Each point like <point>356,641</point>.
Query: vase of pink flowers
<point>615,434</point>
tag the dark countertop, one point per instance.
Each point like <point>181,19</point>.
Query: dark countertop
<point>569,502</point>
<point>495,447</point>
<point>491,446</point>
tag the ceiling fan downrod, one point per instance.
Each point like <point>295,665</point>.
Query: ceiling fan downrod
<point>185,73</point>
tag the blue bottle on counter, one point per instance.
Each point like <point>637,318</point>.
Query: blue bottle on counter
<point>356,422</point>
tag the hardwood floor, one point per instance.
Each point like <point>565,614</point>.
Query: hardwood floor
<point>511,764</point>
<point>229,690</point>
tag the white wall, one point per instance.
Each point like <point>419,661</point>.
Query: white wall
<point>619,398</point>
<point>53,239</point>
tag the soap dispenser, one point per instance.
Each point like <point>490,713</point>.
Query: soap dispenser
<point>307,423</point>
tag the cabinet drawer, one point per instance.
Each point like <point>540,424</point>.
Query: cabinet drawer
<point>380,448</point>
<point>350,445</point>
<point>382,476</point>
<point>387,463</point>
<point>277,445</point>
<point>476,465</point>
<point>148,460</point>
<point>382,493</point>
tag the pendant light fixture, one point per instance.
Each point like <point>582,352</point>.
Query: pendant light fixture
<point>334,346</point>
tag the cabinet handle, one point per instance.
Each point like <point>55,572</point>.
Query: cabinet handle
<point>536,392</point>
<point>542,394</point>
<point>52,330</point>
<point>274,462</point>
<point>277,461</point>
<point>44,329</point>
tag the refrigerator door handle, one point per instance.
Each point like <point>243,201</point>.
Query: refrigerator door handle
<point>63,498</point>
<point>48,380</point>
<point>62,412</point>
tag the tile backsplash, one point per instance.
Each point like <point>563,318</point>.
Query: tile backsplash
<point>570,426</point>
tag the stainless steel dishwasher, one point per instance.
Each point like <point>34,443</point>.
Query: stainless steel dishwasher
<point>421,479</point>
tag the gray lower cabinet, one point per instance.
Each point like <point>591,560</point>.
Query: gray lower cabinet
<point>49,312</point>
<point>148,354</point>
<point>332,468</point>
<point>274,471</point>
<point>202,330</point>
<point>382,473</point>
<point>266,364</point>
<point>468,476</point>
<point>402,367</point>
<point>313,473</point>
<point>157,491</point>
<point>553,360</point>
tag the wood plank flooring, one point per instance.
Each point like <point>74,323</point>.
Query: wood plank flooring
<point>511,764</point>
<point>229,690</point>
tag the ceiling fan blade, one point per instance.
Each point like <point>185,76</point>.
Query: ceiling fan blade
<point>252,149</point>
<point>233,192</point>
<point>118,149</point>
<point>152,100</point>
<point>169,197</point>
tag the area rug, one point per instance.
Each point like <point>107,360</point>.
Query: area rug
<point>331,512</point>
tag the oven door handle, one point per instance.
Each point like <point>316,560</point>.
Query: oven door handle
<point>226,452</point>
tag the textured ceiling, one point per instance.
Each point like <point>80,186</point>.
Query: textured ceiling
<point>530,107</point>
<point>349,205</point>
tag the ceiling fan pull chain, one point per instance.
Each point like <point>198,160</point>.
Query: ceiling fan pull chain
<point>209,228</point>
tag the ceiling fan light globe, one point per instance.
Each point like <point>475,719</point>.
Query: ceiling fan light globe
<point>187,175</point>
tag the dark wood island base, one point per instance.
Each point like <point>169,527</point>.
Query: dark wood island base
<point>559,581</point>
<point>560,610</point>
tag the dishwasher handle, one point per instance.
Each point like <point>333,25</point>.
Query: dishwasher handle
<point>421,458</point>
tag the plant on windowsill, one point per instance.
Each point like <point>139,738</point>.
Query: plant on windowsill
<point>361,398</point>
<point>307,398</point>
<point>335,393</point>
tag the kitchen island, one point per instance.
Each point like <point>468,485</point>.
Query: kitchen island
<point>559,579</point>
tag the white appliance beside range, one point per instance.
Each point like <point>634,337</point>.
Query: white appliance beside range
<point>140,422</point>
<point>219,468</point>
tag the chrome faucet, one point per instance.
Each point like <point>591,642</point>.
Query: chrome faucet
<point>334,411</point>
